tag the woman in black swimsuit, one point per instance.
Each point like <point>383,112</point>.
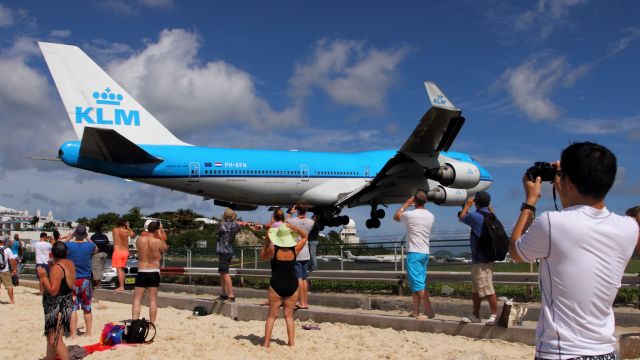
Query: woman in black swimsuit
<point>57,300</point>
<point>281,248</point>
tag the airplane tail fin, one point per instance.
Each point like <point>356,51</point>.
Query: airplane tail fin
<point>93,99</point>
<point>437,97</point>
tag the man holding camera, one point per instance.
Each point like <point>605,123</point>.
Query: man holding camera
<point>583,251</point>
<point>481,268</point>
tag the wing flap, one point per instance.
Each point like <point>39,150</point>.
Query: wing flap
<point>107,145</point>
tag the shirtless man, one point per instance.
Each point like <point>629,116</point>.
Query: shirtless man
<point>150,247</point>
<point>121,234</point>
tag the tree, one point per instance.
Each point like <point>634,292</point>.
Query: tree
<point>49,226</point>
<point>332,238</point>
<point>34,221</point>
<point>134,217</point>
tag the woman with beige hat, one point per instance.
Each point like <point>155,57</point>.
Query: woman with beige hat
<point>281,248</point>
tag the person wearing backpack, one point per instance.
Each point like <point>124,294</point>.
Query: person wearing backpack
<point>8,264</point>
<point>482,266</point>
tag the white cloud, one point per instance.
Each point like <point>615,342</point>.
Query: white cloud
<point>547,17</point>
<point>633,34</point>
<point>187,94</point>
<point>60,33</point>
<point>134,7</point>
<point>158,3</point>
<point>35,125</point>
<point>6,16</point>
<point>349,72</point>
<point>532,83</point>
<point>598,126</point>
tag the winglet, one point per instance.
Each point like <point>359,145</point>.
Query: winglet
<point>437,97</point>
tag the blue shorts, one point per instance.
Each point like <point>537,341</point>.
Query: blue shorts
<point>417,270</point>
<point>44,266</point>
<point>301,270</point>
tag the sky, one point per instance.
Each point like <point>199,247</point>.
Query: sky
<point>530,77</point>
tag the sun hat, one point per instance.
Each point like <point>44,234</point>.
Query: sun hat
<point>282,236</point>
<point>146,224</point>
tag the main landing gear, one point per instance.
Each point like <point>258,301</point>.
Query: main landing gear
<point>376,215</point>
<point>331,218</point>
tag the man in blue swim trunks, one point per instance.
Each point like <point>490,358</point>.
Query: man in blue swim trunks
<point>419,223</point>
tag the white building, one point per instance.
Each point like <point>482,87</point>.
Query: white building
<point>16,220</point>
<point>348,233</point>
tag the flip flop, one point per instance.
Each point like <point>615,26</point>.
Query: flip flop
<point>311,327</point>
<point>298,307</point>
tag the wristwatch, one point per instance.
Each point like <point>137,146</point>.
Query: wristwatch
<point>526,206</point>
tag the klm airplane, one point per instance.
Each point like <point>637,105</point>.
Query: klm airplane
<point>119,137</point>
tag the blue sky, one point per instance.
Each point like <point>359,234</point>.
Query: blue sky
<point>530,77</point>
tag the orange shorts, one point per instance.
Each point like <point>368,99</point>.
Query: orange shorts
<point>119,258</point>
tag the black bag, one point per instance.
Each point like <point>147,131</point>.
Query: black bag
<point>200,311</point>
<point>493,242</point>
<point>14,280</point>
<point>137,331</point>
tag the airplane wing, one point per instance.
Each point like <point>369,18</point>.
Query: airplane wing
<point>108,145</point>
<point>403,174</point>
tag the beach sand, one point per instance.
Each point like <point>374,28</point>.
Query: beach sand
<point>180,335</point>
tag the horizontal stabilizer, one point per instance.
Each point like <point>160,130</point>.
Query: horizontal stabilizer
<point>107,145</point>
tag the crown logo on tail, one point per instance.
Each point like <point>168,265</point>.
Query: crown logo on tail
<point>107,97</point>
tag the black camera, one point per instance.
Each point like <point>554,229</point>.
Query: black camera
<point>546,171</point>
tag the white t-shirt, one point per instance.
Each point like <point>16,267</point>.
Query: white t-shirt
<point>8,255</point>
<point>42,250</point>
<point>305,224</point>
<point>583,252</point>
<point>419,223</point>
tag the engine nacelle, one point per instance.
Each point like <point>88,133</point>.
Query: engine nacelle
<point>455,174</point>
<point>442,195</point>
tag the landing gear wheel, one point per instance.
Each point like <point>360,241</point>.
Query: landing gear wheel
<point>344,220</point>
<point>369,224</point>
<point>321,227</point>
<point>375,223</point>
<point>380,214</point>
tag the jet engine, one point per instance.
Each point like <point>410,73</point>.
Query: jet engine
<point>442,195</point>
<point>455,174</point>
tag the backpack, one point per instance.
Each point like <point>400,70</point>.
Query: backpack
<point>137,331</point>
<point>112,334</point>
<point>493,241</point>
<point>3,258</point>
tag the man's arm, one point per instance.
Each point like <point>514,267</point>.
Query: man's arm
<point>14,266</point>
<point>465,210</point>
<point>532,194</point>
<point>402,208</point>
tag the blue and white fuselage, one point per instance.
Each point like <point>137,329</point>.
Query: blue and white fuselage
<point>260,177</point>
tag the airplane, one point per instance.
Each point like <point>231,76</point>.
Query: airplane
<point>373,258</point>
<point>119,137</point>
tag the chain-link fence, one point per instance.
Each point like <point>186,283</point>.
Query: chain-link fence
<point>446,255</point>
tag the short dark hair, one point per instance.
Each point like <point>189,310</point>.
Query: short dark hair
<point>121,222</point>
<point>59,250</point>
<point>43,235</point>
<point>153,226</point>
<point>633,212</point>
<point>98,228</point>
<point>56,235</point>
<point>420,198</point>
<point>590,167</point>
<point>302,206</point>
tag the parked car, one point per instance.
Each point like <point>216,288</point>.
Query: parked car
<point>110,275</point>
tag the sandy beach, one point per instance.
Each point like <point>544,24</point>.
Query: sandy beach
<point>213,337</point>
